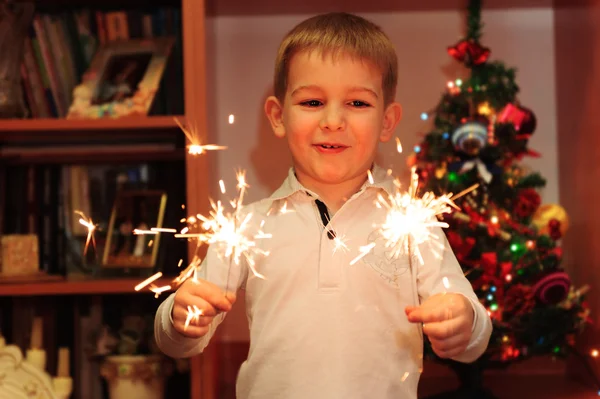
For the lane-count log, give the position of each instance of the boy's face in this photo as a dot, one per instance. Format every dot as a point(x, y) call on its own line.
point(333, 116)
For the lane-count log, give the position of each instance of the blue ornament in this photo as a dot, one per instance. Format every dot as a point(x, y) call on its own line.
point(470, 137)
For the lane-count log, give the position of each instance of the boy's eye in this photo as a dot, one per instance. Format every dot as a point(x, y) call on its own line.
point(311, 103)
point(358, 103)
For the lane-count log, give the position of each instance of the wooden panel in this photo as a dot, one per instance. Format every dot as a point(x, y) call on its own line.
point(577, 35)
point(269, 7)
point(203, 367)
point(75, 287)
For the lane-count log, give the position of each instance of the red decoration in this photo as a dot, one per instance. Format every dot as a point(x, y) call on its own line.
point(461, 247)
point(489, 263)
point(552, 288)
point(518, 300)
point(522, 118)
point(506, 268)
point(554, 229)
point(527, 202)
point(469, 52)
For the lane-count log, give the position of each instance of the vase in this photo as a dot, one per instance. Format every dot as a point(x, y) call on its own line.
point(131, 377)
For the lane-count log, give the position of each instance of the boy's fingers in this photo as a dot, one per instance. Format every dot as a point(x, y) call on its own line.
point(212, 294)
point(442, 330)
point(192, 301)
point(428, 314)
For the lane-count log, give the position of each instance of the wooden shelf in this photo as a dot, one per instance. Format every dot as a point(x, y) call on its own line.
point(90, 156)
point(77, 287)
point(277, 7)
point(51, 130)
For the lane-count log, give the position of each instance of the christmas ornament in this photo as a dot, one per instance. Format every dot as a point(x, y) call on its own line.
point(469, 52)
point(518, 300)
point(546, 213)
point(470, 137)
point(523, 119)
point(554, 229)
point(552, 288)
point(485, 109)
point(527, 202)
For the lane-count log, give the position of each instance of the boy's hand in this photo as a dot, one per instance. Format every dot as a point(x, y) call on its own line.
point(205, 296)
point(447, 320)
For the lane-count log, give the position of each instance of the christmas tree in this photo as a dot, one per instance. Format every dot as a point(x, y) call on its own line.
point(506, 241)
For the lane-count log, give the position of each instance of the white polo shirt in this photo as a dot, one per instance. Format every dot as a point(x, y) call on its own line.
point(321, 328)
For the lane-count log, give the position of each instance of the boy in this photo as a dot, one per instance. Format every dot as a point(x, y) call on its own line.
point(320, 327)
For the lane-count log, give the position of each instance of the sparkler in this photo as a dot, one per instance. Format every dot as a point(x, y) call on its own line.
point(89, 224)
point(196, 147)
point(410, 218)
point(228, 232)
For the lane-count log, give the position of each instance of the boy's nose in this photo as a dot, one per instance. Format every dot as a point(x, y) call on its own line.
point(333, 119)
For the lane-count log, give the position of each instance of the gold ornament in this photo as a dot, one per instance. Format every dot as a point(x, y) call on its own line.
point(411, 160)
point(485, 109)
point(441, 171)
point(548, 212)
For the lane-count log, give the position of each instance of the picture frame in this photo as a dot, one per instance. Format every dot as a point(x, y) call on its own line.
point(122, 79)
point(134, 209)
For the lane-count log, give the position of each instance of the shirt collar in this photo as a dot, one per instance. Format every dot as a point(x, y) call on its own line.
point(291, 185)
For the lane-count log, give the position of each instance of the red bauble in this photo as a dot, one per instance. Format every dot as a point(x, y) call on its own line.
point(523, 119)
point(469, 52)
point(527, 202)
point(554, 229)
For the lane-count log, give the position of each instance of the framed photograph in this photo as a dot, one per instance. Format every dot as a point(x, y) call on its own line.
point(141, 210)
point(122, 79)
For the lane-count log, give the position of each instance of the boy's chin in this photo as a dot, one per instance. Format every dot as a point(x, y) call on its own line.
point(339, 177)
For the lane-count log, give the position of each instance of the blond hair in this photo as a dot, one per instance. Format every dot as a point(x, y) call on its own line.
point(337, 33)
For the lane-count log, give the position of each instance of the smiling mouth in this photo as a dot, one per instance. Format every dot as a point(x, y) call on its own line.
point(330, 146)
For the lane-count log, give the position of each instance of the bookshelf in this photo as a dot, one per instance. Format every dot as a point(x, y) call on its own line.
point(129, 139)
point(75, 287)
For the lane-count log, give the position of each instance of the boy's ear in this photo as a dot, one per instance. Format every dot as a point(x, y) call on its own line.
point(274, 111)
point(391, 117)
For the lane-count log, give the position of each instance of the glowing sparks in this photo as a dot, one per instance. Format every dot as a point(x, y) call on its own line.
point(446, 282)
point(339, 244)
point(195, 147)
point(158, 290)
point(148, 281)
point(163, 230)
point(365, 249)
point(370, 177)
point(410, 218)
point(89, 224)
point(193, 315)
point(284, 209)
point(231, 119)
point(231, 234)
point(398, 146)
